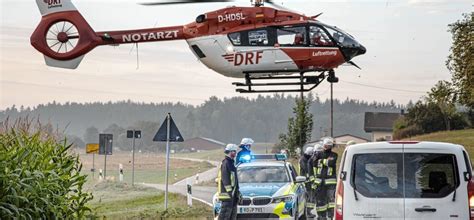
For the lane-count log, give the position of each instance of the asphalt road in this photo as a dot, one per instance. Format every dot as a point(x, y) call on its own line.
point(200, 193)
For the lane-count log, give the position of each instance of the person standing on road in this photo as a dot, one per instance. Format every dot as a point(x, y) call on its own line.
point(305, 168)
point(324, 168)
point(228, 185)
point(245, 146)
point(312, 178)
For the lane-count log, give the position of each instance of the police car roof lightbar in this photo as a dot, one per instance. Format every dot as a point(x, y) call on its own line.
point(279, 157)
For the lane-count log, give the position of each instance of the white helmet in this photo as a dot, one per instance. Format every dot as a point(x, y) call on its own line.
point(318, 147)
point(328, 141)
point(230, 147)
point(246, 141)
point(308, 151)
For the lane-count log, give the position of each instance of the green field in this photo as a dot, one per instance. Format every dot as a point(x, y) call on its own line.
point(218, 155)
point(153, 176)
point(149, 168)
point(462, 137)
point(121, 201)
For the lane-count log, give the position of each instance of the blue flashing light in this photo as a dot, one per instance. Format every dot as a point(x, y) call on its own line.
point(246, 157)
point(280, 157)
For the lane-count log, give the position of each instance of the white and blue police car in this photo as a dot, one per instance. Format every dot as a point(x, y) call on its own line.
point(270, 189)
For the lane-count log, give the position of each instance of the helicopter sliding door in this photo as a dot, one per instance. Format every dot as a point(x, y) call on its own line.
point(292, 42)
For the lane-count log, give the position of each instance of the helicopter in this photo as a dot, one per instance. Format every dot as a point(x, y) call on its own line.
point(254, 42)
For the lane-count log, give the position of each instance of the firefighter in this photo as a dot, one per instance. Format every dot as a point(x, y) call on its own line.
point(245, 146)
point(305, 168)
point(228, 185)
point(324, 168)
point(312, 179)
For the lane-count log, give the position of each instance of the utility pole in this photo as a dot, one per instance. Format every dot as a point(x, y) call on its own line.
point(167, 157)
point(332, 79)
point(302, 124)
point(332, 112)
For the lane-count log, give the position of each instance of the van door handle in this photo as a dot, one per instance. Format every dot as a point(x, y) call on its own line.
point(425, 209)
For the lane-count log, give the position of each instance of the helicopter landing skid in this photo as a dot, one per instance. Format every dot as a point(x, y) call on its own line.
point(305, 82)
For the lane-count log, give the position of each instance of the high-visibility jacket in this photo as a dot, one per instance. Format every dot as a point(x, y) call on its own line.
point(324, 167)
point(228, 183)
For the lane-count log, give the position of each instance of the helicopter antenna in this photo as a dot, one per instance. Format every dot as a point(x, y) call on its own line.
point(257, 3)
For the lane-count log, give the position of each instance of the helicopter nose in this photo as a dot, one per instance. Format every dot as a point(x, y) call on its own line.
point(353, 51)
point(361, 50)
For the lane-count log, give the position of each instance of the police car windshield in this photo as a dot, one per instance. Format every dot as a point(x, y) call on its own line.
point(263, 174)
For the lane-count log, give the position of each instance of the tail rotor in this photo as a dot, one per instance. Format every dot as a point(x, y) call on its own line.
point(62, 37)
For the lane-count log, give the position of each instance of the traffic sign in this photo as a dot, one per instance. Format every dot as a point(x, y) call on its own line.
point(92, 148)
point(105, 144)
point(174, 134)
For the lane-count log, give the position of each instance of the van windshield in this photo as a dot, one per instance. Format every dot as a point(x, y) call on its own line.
point(427, 175)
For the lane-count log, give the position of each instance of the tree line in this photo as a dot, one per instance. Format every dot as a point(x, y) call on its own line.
point(227, 120)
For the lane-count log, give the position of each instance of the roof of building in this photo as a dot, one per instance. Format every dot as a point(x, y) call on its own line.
point(379, 121)
point(351, 136)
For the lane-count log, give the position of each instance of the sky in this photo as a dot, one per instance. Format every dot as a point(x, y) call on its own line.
point(407, 45)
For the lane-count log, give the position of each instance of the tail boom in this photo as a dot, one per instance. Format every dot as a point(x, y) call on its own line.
point(63, 36)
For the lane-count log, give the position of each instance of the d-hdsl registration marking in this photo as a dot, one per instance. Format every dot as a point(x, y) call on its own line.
point(231, 17)
point(247, 58)
point(150, 36)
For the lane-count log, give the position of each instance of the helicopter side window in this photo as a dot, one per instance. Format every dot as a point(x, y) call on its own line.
point(318, 37)
point(258, 38)
point(235, 38)
point(292, 36)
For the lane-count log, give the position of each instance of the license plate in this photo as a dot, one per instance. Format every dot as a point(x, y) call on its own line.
point(251, 210)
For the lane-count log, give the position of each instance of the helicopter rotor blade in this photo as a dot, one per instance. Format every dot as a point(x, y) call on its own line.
point(276, 5)
point(353, 64)
point(172, 2)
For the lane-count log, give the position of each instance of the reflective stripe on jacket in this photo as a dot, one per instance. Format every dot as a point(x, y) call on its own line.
point(227, 181)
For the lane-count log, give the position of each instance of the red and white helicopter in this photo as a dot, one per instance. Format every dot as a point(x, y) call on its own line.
point(253, 42)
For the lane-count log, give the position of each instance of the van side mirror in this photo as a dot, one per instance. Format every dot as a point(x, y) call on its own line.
point(467, 176)
point(300, 179)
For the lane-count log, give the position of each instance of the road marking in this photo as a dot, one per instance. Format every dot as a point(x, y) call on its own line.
point(203, 201)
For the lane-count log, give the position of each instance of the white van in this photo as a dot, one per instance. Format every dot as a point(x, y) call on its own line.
point(405, 180)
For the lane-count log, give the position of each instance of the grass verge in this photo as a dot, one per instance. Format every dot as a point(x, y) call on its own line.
point(122, 201)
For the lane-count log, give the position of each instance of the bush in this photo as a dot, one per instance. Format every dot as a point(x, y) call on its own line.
point(39, 176)
point(407, 132)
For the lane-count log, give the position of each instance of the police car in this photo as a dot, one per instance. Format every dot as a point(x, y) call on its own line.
point(270, 189)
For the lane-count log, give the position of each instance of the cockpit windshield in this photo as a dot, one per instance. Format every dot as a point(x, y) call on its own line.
point(341, 37)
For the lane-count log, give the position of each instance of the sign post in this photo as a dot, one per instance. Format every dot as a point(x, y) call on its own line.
point(105, 148)
point(168, 132)
point(92, 149)
point(133, 134)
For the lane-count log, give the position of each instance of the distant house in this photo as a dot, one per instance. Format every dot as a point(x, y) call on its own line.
point(202, 143)
point(380, 124)
point(342, 140)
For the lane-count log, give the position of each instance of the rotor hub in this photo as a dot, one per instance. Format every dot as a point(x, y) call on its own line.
point(62, 37)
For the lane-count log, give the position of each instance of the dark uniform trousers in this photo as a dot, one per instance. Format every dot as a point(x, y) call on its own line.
point(306, 170)
point(228, 210)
